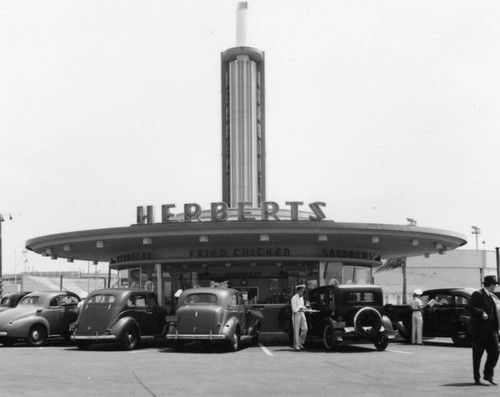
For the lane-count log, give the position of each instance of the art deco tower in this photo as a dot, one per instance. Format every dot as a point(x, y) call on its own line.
point(243, 120)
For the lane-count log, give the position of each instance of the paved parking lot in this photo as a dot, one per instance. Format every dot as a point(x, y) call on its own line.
point(437, 368)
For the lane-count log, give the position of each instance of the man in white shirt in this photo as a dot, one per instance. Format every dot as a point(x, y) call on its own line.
point(299, 318)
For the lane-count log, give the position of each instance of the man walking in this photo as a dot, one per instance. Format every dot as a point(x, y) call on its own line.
point(299, 318)
point(483, 327)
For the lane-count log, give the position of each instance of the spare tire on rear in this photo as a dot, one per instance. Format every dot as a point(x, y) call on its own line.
point(368, 322)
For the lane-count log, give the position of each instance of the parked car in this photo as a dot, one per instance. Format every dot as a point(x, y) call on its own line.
point(448, 317)
point(117, 314)
point(348, 313)
point(11, 300)
point(214, 315)
point(38, 316)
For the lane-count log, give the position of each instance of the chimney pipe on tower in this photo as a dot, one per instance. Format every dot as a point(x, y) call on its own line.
point(241, 24)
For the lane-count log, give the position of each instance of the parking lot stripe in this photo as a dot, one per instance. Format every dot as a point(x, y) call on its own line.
point(265, 350)
point(399, 351)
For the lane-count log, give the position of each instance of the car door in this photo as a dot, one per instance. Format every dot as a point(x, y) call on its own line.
point(53, 313)
point(69, 311)
point(237, 308)
point(154, 317)
point(140, 313)
point(324, 301)
point(442, 315)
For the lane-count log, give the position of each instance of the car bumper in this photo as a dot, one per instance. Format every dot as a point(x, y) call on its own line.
point(94, 337)
point(196, 336)
point(351, 332)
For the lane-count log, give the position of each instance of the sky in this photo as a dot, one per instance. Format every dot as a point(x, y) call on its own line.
point(383, 110)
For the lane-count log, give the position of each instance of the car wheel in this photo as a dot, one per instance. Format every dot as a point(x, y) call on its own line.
point(130, 338)
point(381, 342)
point(37, 335)
point(329, 339)
point(234, 342)
point(83, 344)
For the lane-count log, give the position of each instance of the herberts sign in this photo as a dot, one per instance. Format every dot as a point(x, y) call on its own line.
point(219, 212)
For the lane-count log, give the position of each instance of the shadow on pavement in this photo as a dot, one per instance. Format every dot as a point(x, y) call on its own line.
point(464, 384)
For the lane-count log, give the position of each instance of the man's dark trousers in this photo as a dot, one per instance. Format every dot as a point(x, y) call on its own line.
point(486, 340)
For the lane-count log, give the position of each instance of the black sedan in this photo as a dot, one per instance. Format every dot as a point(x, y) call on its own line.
point(38, 316)
point(122, 315)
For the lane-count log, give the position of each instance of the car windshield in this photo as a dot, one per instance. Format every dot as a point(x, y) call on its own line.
point(30, 300)
point(200, 298)
point(104, 299)
point(5, 301)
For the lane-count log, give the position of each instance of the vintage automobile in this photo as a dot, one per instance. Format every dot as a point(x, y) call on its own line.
point(38, 316)
point(214, 315)
point(118, 314)
point(348, 313)
point(11, 300)
point(448, 317)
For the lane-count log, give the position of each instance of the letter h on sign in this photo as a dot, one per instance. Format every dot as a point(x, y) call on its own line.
point(147, 218)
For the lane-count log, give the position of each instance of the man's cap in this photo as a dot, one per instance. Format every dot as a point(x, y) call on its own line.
point(418, 291)
point(300, 286)
point(489, 280)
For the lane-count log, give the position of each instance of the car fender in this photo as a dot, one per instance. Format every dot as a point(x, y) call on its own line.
point(253, 321)
point(121, 325)
point(20, 328)
point(387, 324)
point(229, 328)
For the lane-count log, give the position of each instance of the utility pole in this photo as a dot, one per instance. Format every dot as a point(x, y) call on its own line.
point(497, 249)
point(1, 274)
point(477, 232)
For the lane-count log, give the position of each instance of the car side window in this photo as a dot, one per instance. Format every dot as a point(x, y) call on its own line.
point(140, 301)
point(151, 301)
point(233, 301)
point(69, 301)
point(331, 299)
point(54, 302)
point(131, 301)
point(461, 300)
point(313, 296)
point(444, 300)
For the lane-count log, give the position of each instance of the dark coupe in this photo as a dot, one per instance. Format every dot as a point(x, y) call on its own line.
point(38, 316)
point(447, 317)
point(11, 300)
point(214, 315)
point(122, 315)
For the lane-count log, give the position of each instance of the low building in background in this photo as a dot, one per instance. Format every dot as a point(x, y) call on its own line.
point(458, 268)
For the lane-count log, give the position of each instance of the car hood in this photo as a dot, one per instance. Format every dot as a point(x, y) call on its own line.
point(17, 313)
point(97, 318)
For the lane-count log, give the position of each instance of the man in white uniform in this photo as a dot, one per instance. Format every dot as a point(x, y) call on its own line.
point(299, 318)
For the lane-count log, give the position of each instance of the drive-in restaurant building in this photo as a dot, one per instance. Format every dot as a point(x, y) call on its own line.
point(260, 247)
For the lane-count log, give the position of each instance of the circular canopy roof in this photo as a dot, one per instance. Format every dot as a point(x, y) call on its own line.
point(246, 241)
